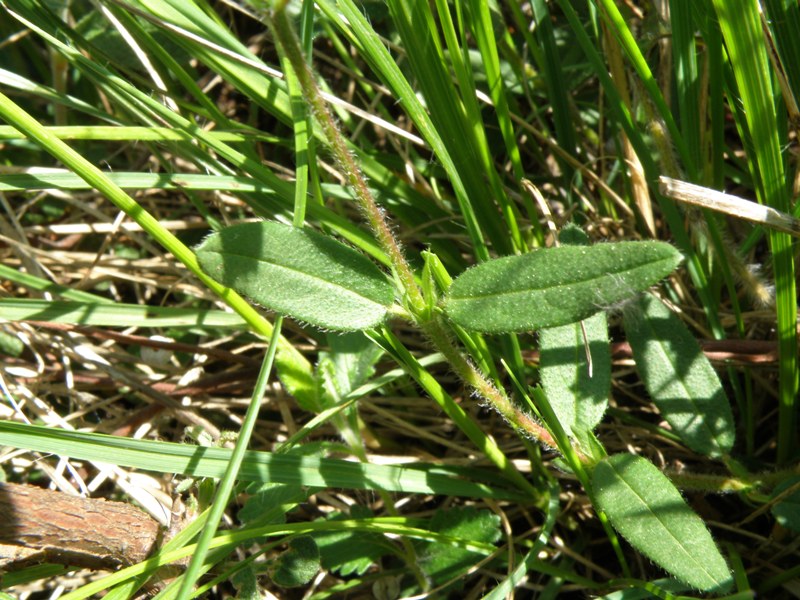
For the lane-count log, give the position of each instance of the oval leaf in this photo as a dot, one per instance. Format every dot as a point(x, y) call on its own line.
point(555, 286)
point(299, 273)
point(578, 396)
point(678, 377)
point(786, 507)
point(649, 511)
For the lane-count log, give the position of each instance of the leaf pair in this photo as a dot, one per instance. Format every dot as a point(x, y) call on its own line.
point(318, 280)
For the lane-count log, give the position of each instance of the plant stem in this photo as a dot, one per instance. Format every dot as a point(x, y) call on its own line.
point(286, 37)
point(469, 373)
point(432, 325)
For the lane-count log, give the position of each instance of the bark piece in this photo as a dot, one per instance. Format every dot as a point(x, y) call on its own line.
point(39, 525)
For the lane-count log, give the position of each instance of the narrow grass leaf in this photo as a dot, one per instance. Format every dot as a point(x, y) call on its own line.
point(420, 37)
point(198, 461)
point(649, 511)
point(373, 50)
point(555, 286)
point(679, 377)
point(577, 394)
point(741, 27)
point(299, 273)
point(101, 314)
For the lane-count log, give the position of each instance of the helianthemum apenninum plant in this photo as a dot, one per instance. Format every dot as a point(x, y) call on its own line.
point(317, 280)
point(422, 257)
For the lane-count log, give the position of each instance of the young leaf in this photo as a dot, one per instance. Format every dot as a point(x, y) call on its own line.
point(246, 584)
point(269, 502)
point(678, 377)
point(349, 363)
point(299, 273)
point(578, 399)
point(649, 511)
point(555, 286)
point(442, 562)
point(298, 565)
point(352, 552)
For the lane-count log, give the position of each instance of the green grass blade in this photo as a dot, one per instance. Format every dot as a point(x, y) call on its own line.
point(225, 487)
point(741, 30)
point(374, 51)
point(783, 19)
point(687, 79)
point(417, 29)
point(196, 461)
point(483, 29)
point(42, 285)
point(107, 314)
point(626, 39)
point(554, 77)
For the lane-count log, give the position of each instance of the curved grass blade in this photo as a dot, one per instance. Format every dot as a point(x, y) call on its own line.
point(679, 378)
point(299, 273)
point(649, 511)
point(555, 286)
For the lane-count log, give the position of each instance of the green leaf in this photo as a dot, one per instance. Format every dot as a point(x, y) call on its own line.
point(349, 364)
point(246, 583)
point(298, 565)
point(578, 398)
point(103, 314)
point(678, 377)
point(351, 552)
point(299, 379)
point(649, 511)
point(300, 273)
point(555, 286)
point(269, 502)
point(442, 562)
point(787, 510)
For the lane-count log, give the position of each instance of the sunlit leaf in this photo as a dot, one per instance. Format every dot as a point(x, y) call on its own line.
point(299, 273)
point(649, 511)
point(555, 286)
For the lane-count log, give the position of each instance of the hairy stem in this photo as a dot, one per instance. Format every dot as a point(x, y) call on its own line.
point(286, 37)
point(432, 325)
point(469, 373)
